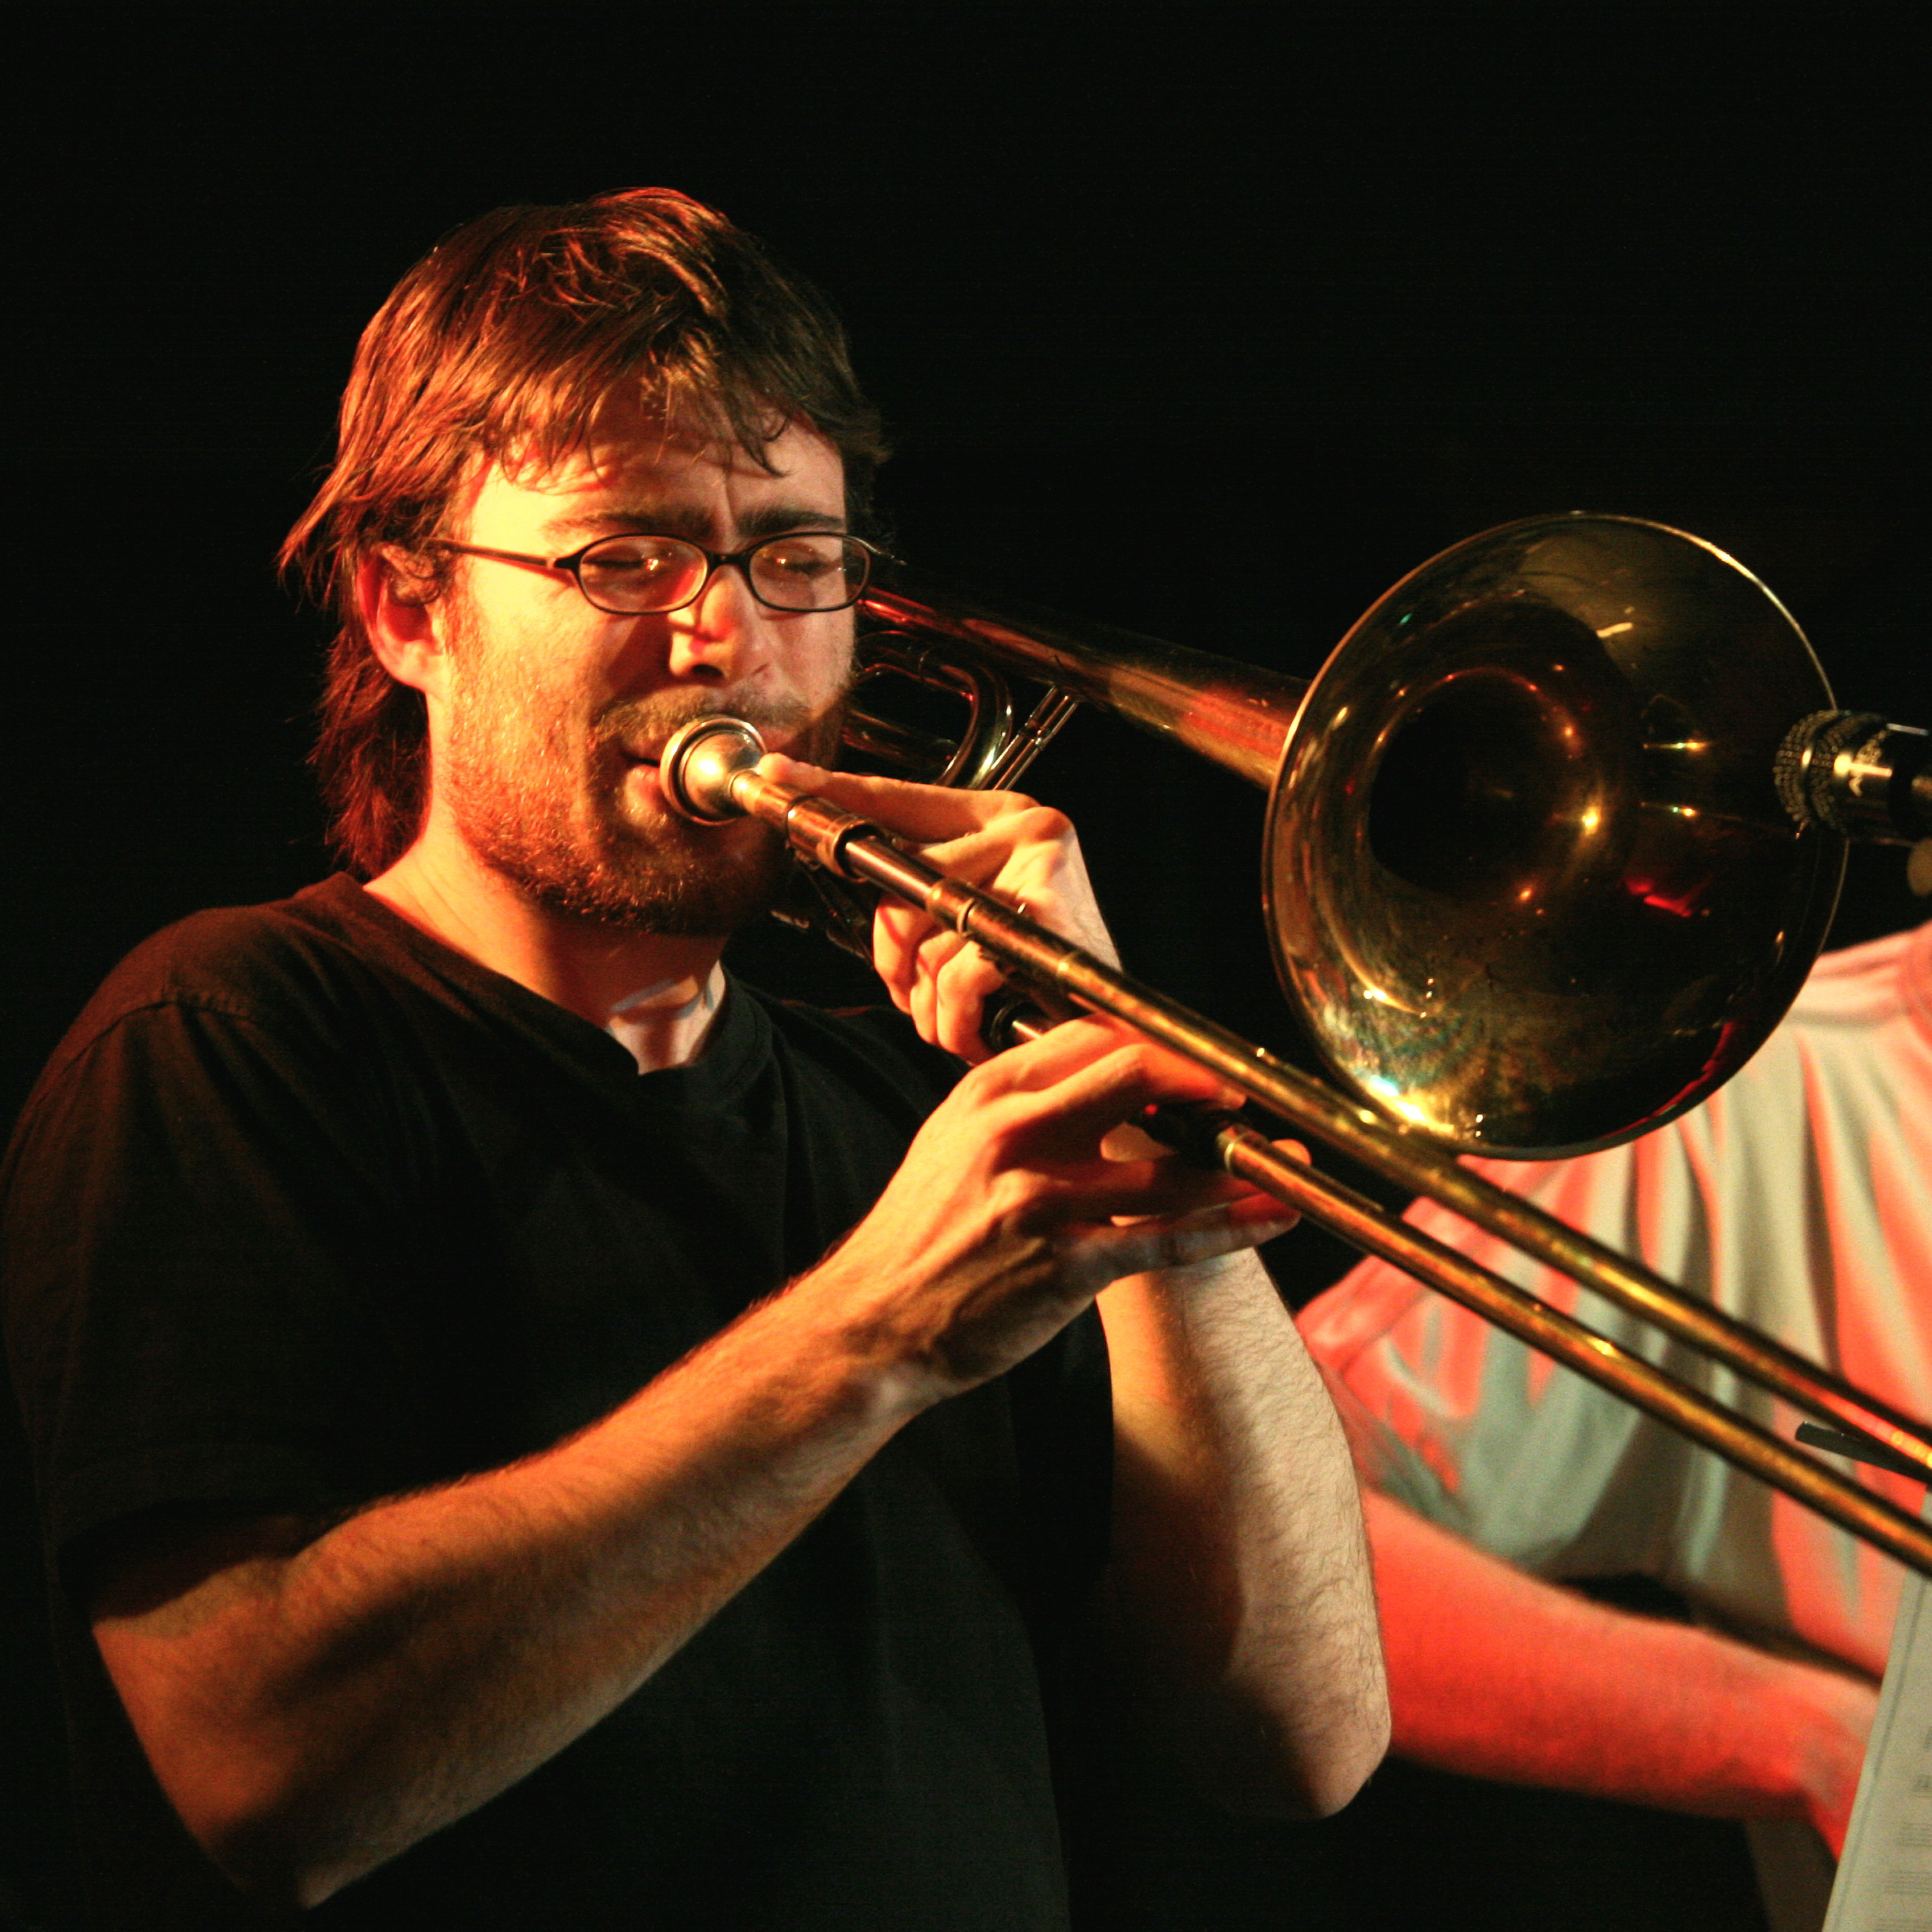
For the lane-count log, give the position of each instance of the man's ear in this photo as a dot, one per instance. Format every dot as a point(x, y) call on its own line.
point(403, 618)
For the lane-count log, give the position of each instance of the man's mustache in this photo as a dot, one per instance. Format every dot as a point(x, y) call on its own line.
point(631, 721)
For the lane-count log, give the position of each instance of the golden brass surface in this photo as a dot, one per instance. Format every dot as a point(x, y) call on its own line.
point(1528, 879)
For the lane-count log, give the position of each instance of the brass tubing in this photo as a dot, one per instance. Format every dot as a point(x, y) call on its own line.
point(1236, 715)
point(1756, 1357)
point(1628, 1285)
point(854, 847)
point(1365, 1225)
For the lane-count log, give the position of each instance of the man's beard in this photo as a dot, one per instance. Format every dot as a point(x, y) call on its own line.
point(549, 815)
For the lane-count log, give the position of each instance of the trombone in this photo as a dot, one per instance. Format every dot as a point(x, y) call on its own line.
point(1552, 841)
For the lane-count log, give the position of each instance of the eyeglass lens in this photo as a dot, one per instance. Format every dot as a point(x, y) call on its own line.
point(810, 570)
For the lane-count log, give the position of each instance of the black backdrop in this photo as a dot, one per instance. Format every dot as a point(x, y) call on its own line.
point(1311, 290)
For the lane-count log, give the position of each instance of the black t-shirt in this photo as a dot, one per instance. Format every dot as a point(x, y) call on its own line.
point(307, 1210)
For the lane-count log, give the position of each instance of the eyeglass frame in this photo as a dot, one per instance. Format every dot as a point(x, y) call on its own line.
point(715, 560)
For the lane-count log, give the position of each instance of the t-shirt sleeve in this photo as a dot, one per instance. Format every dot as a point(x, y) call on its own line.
point(200, 1229)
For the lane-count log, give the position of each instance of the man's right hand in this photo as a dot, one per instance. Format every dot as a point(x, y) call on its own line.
point(1007, 1217)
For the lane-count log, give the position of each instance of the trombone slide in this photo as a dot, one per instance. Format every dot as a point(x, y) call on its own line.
point(709, 773)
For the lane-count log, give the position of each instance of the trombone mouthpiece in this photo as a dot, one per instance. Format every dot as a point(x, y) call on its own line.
point(701, 763)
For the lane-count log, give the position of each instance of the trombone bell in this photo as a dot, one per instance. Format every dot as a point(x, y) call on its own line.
point(1528, 877)
point(1527, 874)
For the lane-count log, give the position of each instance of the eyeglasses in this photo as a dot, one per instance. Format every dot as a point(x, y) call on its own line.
point(808, 570)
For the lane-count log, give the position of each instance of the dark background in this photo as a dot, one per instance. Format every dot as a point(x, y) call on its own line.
point(1311, 291)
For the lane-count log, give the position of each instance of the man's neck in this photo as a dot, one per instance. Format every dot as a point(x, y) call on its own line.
point(656, 993)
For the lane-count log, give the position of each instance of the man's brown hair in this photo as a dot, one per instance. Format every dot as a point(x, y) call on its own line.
point(500, 346)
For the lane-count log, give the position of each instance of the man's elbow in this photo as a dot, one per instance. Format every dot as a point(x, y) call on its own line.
point(270, 1874)
point(1298, 1764)
point(1331, 1777)
point(264, 1829)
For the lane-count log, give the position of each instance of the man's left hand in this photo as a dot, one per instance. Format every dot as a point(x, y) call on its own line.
point(1026, 854)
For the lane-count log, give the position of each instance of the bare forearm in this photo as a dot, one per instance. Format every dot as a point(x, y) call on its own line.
point(1498, 1675)
point(1241, 1592)
point(311, 1715)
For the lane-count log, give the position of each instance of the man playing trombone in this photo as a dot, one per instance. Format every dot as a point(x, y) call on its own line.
point(534, 1433)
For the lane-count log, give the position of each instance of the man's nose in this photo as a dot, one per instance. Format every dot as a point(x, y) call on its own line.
point(722, 638)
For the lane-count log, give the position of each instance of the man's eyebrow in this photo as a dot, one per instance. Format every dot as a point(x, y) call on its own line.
point(688, 521)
